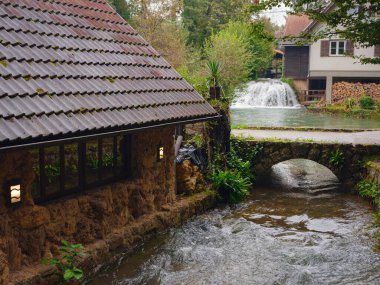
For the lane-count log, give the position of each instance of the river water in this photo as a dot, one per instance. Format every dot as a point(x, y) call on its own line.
point(276, 237)
point(296, 117)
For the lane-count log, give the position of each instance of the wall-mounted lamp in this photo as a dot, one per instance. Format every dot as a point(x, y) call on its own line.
point(160, 152)
point(13, 192)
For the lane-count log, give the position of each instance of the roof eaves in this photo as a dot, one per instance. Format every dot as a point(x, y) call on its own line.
point(313, 23)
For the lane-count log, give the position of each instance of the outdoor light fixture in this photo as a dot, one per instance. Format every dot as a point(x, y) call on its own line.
point(160, 152)
point(13, 191)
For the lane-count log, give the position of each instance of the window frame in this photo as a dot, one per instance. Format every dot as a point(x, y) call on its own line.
point(83, 185)
point(337, 47)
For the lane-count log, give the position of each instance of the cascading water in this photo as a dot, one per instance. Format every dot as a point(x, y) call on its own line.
point(266, 93)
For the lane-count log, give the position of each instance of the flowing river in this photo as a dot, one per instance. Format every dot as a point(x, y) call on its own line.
point(278, 236)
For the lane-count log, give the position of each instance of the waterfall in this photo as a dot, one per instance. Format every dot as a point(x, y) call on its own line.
point(266, 93)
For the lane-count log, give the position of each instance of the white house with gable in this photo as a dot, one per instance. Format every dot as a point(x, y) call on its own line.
point(327, 61)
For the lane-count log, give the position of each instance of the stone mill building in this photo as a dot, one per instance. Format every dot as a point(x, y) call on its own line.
point(88, 119)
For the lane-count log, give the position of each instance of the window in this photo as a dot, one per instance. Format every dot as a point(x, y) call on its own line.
point(337, 48)
point(74, 167)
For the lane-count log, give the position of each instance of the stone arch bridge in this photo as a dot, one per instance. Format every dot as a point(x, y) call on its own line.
point(348, 164)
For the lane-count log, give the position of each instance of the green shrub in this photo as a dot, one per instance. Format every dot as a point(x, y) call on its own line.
point(337, 159)
point(197, 140)
point(366, 102)
point(349, 103)
point(369, 189)
point(65, 264)
point(290, 82)
point(231, 186)
point(378, 105)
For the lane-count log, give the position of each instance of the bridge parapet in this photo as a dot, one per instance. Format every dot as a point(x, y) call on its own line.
point(344, 160)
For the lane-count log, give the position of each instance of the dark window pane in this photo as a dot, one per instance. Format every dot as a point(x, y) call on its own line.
point(52, 170)
point(121, 158)
point(36, 190)
point(71, 167)
point(92, 161)
point(108, 161)
point(341, 48)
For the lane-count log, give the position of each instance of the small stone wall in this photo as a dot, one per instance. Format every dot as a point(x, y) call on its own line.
point(32, 232)
point(272, 153)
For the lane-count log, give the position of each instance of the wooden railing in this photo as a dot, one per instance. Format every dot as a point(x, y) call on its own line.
point(312, 96)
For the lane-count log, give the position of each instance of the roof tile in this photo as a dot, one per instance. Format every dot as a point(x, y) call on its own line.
point(75, 68)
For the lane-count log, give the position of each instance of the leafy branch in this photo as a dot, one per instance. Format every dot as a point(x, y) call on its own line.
point(65, 264)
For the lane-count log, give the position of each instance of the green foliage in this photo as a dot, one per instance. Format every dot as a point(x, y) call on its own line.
point(107, 160)
point(123, 8)
point(369, 189)
point(195, 78)
point(357, 21)
point(230, 49)
point(52, 170)
point(378, 105)
point(65, 264)
point(261, 44)
point(214, 73)
point(201, 18)
point(290, 82)
point(349, 103)
point(366, 102)
point(231, 186)
point(232, 175)
point(197, 140)
point(337, 159)
point(242, 157)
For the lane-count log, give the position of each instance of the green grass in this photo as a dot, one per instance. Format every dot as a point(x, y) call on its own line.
point(278, 140)
point(354, 112)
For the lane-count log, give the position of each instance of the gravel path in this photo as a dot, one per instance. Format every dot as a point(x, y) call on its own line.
point(366, 137)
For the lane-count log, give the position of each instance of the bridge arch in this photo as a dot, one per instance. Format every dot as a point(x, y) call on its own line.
point(347, 165)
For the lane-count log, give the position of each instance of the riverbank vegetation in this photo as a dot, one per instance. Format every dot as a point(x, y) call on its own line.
point(354, 111)
point(66, 263)
point(369, 189)
point(232, 174)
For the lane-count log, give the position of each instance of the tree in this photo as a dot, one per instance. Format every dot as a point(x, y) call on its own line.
point(355, 20)
point(156, 21)
point(259, 40)
point(202, 18)
point(230, 49)
point(123, 8)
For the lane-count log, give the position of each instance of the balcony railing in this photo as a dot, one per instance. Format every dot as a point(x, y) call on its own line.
point(311, 96)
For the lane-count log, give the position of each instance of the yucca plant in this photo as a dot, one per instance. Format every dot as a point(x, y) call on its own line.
point(214, 70)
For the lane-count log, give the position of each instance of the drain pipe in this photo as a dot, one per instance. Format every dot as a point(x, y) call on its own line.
point(179, 139)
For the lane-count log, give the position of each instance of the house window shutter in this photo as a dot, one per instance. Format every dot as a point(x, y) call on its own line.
point(325, 46)
point(349, 48)
point(377, 50)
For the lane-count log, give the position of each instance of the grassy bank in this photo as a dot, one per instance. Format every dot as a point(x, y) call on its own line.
point(354, 112)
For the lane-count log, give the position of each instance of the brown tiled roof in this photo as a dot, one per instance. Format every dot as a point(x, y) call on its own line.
point(296, 24)
point(70, 68)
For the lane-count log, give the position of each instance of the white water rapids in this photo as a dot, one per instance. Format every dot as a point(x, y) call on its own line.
point(266, 93)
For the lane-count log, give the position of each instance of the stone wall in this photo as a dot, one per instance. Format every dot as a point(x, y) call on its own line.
point(275, 152)
point(32, 231)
